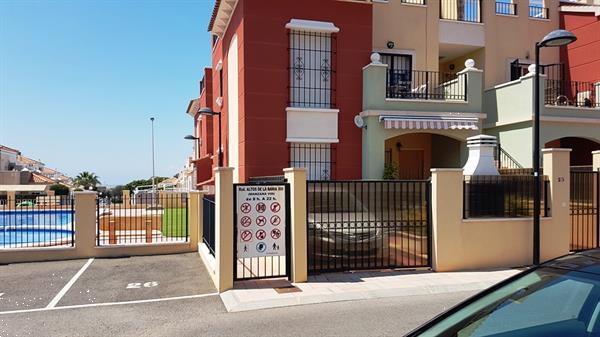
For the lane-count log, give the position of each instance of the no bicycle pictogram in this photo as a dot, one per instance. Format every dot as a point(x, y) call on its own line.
point(246, 236)
point(261, 221)
point(245, 207)
point(261, 234)
point(246, 221)
point(275, 220)
point(275, 207)
point(275, 233)
point(261, 207)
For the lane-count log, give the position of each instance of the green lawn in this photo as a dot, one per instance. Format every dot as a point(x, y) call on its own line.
point(174, 222)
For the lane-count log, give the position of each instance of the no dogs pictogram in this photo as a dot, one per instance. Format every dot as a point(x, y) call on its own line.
point(246, 236)
point(275, 233)
point(261, 234)
point(246, 221)
point(275, 220)
point(261, 221)
point(245, 207)
point(261, 207)
point(275, 207)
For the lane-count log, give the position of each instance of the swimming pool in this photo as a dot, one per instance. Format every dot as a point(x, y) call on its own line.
point(34, 228)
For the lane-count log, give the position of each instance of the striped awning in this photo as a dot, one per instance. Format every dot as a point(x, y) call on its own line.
point(429, 123)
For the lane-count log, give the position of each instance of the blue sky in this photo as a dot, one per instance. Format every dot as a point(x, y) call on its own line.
point(79, 81)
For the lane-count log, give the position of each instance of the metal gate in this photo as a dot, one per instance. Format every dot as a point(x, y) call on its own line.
point(262, 218)
point(368, 225)
point(585, 215)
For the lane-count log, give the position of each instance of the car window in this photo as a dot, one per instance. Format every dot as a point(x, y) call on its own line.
point(546, 302)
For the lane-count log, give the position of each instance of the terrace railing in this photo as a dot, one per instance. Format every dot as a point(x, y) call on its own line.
point(539, 12)
point(37, 221)
point(426, 85)
point(149, 218)
point(504, 196)
point(571, 93)
point(461, 10)
point(506, 8)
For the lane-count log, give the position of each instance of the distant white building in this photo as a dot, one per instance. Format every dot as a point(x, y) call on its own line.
point(8, 158)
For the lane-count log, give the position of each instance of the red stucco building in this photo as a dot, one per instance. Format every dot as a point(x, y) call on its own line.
point(286, 78)
point(582, 58)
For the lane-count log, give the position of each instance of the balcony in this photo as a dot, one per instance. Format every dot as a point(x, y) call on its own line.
point(425, 91)
point(461, 10)
point(538, 12)
point(568, 106)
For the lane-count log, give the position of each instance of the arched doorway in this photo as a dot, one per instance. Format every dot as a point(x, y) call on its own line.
point(411, 156)
point(581, 149)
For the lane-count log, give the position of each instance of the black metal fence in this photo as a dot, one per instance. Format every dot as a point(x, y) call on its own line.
point(539, 12)
point(461, 10)
point(571, 93)
point(503, 196)
point(37, 221)
point(208, 222)
point(312, 68)
point(419, 84)
point(506, 8)
point(318, 159)
point(585, 213)
point(150, 218)
point(368, 224)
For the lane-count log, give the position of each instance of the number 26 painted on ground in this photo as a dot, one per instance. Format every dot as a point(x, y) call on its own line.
point(138, 285)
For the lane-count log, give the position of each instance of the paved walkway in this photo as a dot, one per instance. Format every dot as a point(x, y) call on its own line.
point(263, 294)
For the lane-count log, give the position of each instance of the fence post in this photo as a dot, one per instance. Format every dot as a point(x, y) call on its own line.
point(555, 235)
point(195, 217)
point(11, 201)
point(296, 177)
point(596, 188)
point(446, 217)
point(224, 254)
point(85, 223)
point(597, 89)
point(596, 159)
point(126, 196)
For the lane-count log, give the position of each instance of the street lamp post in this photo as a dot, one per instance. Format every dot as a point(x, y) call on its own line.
point(153, 174)
point(210, 112)
point(197, 139)
point(555, 38)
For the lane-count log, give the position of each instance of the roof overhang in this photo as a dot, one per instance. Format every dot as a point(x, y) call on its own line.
point(221, 16)
point(23, 188)
point(581, 9)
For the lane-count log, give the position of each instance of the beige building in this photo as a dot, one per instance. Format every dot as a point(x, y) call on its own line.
point(440, 35)
point(444, 70)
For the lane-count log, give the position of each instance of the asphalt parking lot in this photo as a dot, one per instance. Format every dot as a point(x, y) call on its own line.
point(47, 285)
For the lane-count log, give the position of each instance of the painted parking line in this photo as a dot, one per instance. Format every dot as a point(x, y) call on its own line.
point(68, 286)
point(78, 306)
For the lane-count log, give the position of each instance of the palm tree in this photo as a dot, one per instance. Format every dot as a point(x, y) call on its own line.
point(86, 180)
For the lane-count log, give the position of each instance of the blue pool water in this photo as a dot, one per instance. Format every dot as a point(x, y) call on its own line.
point(22, 228)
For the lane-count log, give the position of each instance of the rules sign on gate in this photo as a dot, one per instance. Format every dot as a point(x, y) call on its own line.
point(260, 220)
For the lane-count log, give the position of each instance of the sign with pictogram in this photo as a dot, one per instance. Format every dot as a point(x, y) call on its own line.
point(246, 221)
point(275, 233)
point(260, 219)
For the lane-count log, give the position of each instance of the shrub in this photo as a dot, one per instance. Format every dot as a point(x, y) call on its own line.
point(390, 171)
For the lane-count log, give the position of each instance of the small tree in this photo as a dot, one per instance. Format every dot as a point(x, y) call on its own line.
point(59, 189)
point(390, 171)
